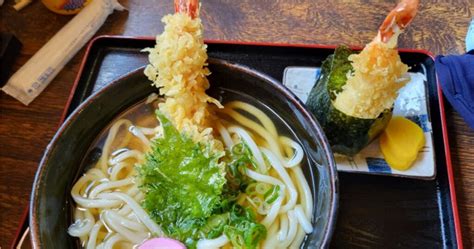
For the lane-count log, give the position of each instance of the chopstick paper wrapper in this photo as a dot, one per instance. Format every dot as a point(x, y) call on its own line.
point(31, 79)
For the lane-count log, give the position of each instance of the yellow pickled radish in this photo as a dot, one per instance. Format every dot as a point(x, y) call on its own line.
point(400, 143)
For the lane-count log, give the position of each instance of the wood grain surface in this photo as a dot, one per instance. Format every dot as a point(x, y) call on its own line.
point(440, 27)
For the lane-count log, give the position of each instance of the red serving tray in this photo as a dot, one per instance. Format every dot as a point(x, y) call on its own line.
point(282, 46)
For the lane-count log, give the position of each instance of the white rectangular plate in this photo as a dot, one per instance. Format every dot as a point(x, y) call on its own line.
point(411, 103)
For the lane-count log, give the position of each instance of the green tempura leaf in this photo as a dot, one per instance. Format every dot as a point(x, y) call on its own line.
point(191, 196)
point(182, 181)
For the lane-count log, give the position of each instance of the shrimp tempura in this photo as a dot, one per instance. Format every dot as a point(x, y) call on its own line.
point(378, 70)
point(178, 67)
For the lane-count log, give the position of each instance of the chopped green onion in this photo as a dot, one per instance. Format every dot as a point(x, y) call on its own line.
point(272, 194)
point(261, 188)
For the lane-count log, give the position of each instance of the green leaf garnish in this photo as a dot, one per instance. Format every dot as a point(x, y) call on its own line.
point(191, 191)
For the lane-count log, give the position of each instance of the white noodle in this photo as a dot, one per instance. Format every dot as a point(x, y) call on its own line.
point(109, 185)
point(139, 134)
point(90, 203)
point(114, 224)
point(225, 136)
point(93, 235)
point(283, 232)
point(299, 237)
point(212, 243)
point(297, 154)
point(259, 114)
point(303, 220)
point(116, 169)
point(125, 210)
point(108, 142)
point(128, 223)
point(292, 228)
point(271, 242)
point(307, 199)
point(264, 178)
point(82, 227)
point(126, 155)
point(141, 214)
point(273, 213)
point(271, 140)
point(276, 164)
point(133, 191)
point(148, 131)
point(252, 146)
point(96, 173)
point(110, 242)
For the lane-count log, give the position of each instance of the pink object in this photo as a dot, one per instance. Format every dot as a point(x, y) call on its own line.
point(162, 243)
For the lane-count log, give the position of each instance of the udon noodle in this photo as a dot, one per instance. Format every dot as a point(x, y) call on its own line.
point(109, 214)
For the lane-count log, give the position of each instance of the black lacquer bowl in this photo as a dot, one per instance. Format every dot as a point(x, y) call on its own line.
point(50, 207)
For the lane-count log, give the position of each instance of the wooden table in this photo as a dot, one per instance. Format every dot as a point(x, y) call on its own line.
point(25, 131)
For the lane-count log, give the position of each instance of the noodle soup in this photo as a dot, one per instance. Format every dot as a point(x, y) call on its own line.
point(186, 170)
point(109, 208)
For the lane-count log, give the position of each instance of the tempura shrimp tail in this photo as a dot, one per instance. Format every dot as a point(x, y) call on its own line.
point(396, 21)
point(190, 7)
